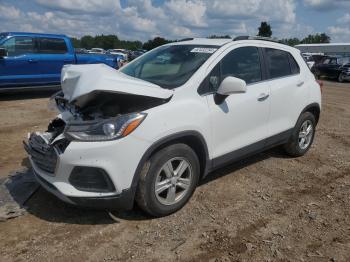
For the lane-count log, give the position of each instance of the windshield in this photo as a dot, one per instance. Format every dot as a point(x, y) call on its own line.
point(169, 66)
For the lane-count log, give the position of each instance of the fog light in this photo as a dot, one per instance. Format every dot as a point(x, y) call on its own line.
point(91, 179)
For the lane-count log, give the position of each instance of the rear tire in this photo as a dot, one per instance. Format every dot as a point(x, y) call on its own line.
point(168, 180)
point(303, 135)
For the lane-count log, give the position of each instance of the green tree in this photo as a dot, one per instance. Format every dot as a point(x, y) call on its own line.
point(265, 30)
point(291, 41)
point(155, 42)
point(75, 42)
point(316, 39)
point(87, 42)
point(105, 42)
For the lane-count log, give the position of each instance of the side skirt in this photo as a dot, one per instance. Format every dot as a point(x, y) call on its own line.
point(250, 150)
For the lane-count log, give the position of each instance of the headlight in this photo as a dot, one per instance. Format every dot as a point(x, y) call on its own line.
point(105, 130)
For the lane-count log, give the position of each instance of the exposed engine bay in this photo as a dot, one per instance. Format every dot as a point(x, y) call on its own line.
point(103, 105)
point(89, 111)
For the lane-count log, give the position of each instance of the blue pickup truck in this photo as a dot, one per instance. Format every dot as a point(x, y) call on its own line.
point(36, 60)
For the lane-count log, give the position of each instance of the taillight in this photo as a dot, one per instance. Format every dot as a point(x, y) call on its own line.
point(320, 83)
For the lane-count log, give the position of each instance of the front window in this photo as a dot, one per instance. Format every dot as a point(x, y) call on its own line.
point(169, 66)
point(18, 45)
point(243, 63)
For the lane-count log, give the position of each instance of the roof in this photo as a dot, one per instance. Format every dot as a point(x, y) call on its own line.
point(31, 34)
point(224, 41)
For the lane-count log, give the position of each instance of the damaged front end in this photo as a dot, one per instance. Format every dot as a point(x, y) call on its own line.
point(104, 116)
point(111, 110)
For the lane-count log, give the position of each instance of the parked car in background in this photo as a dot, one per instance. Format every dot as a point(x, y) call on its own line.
point(333, 67)
point(81, 51)
point(32, 60)
point(97, 51)
point(313, 58)
point(345, 73)
point(136, 54)
point(121, 52)
point(151, 130)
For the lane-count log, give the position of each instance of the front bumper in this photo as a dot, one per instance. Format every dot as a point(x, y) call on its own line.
point(124, 200)
point(346, 75)
point(118, 158)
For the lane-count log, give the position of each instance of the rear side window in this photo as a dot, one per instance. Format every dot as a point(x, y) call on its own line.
point(243, 63)
point(277, 62)
point(51, 46)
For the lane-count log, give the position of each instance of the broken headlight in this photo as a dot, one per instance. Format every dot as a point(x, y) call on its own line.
point(104, 130)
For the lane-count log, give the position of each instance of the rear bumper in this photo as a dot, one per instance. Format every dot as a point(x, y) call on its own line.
point(122, 201)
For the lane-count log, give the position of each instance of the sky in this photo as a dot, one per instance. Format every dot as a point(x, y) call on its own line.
point(177, 19)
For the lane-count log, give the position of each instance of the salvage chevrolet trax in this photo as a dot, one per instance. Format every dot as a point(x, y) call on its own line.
point(150, 131)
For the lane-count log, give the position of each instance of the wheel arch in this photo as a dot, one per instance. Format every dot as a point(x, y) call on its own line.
point(313, 108)
point(193, 139)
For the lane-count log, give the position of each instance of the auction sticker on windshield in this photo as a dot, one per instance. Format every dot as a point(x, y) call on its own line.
point(203, 50)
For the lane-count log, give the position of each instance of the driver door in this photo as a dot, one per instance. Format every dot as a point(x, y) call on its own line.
point(19, 67)
point(240, 122)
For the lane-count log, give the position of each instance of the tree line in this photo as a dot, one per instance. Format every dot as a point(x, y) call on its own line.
point(106, 42)
point(112, 41)
point(265, 31)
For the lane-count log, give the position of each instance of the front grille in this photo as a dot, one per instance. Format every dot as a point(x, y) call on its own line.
point(43, 155)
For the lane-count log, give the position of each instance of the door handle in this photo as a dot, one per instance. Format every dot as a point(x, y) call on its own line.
point(32, 60)
point(68, 61)
point(263, 97)
point(300, 83)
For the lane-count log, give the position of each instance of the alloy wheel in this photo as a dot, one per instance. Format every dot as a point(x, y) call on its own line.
point(305, 134)
point(173, 181)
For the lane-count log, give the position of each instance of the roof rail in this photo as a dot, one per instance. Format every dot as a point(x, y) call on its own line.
point(247, 37)
point(185, 39)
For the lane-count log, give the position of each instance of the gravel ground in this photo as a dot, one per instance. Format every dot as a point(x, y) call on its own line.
point(266, 208)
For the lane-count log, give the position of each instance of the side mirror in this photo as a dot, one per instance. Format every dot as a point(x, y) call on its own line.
point(231, 85)
point(3, 52)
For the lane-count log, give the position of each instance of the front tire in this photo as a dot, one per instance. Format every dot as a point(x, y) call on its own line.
point(168, 180)
point(341, 78)
point(303, 135)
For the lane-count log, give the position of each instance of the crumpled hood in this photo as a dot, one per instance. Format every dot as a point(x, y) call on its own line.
point(77, 81)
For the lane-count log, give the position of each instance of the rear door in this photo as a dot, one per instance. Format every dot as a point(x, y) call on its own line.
point(288, 91)
point(54, 54)
point(20, 66)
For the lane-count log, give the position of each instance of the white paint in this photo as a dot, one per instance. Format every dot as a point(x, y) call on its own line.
point(239, 121)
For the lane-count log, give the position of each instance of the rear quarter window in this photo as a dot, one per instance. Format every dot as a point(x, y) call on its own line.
point(295, 69)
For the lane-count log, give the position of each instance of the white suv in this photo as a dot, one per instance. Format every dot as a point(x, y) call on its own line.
point(150, 131)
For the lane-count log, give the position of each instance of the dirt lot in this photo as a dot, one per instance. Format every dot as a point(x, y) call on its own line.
point(267, 208)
